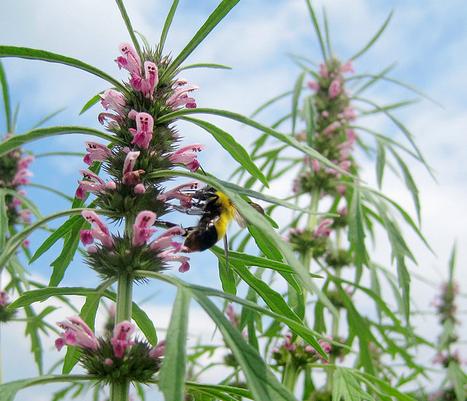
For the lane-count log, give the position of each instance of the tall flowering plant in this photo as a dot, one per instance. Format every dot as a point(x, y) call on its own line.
point(140, 156)
point(335, 215)
point(17, 213)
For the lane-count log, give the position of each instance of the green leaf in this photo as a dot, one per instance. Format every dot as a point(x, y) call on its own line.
point(24, 201)
point(35, 54)
point(16, 240)
point(309, 113)
point(374, 38)
point(3, 220)
point(205, 65)
point(139, 316)
point(403, 129)
point(273, 299)
point(295, 98)
point(346, 387)
point(452, 263)
point(262, 383)
point(297, 327)
point(409, 182)
point(173, 370)
point(60, 232)
point(9, 390)
point(48, 117)
point(61, 263)
point(217, 15)
point(226, 276)
point(51, 190)
point(229, 143)
point(6, 99)
point(19, 140)
point(245, 120)
point(458, 380)
point(269, 103)
point(91, 102)
point(380, 163)
point(317, 29)
point(356, 229)
point(167, 24)
point(130, 29)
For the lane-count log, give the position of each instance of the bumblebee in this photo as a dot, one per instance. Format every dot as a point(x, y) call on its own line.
point(217, 211)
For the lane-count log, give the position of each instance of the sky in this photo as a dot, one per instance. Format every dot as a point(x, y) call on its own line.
point(428, 44)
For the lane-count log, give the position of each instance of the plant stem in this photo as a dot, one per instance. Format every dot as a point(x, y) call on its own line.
point(290, 375)
point(120, 391)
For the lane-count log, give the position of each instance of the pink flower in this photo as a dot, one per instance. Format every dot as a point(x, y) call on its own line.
point(139, 189)
point(158, 351)
point(109, 120)
point(180, 95)
point(96, 152)
point(22, 177)
point(324, 228)
point(347, 68)
point(86, 237)
point(178, 193)
point(325, 114)
point(142, 229)
point(325, 346)
point(25, 161)
point(142, 135)
point(130, 176)
point(335, 89)
point(78, 333)
point(349, 113)
point(113, 100)
point(171, 256)
point(26, 243)
point(99, 229)
point(315, 165)
point(331, 128)
point(25, 215)
point(121, 338)
point(187, 156)
point(165, 240)
point(129, 60)
point(147, 84)
point(4, 298)
point(323, 71)
point(313, 85)
point(230, 312)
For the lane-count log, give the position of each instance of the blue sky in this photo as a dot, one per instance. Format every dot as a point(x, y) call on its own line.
point(428, 42)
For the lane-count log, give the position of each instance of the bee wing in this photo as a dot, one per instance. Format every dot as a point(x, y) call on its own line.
point(239, 219)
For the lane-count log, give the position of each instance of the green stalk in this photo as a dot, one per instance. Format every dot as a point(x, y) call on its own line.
point(291, 372)
point(290, 375)
point(120, 391)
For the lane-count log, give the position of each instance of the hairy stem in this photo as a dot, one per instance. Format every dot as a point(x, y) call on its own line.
point(120, 391)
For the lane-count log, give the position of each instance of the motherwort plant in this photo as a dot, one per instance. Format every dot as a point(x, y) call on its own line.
point(335, 215)
point(125, 182)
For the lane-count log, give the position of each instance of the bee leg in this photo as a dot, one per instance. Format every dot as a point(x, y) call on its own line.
point(165, 224)
point(192, 212)
point(226, 251)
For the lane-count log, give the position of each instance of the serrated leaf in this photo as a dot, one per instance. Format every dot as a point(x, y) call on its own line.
point(295, 98)
point(346, 387)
